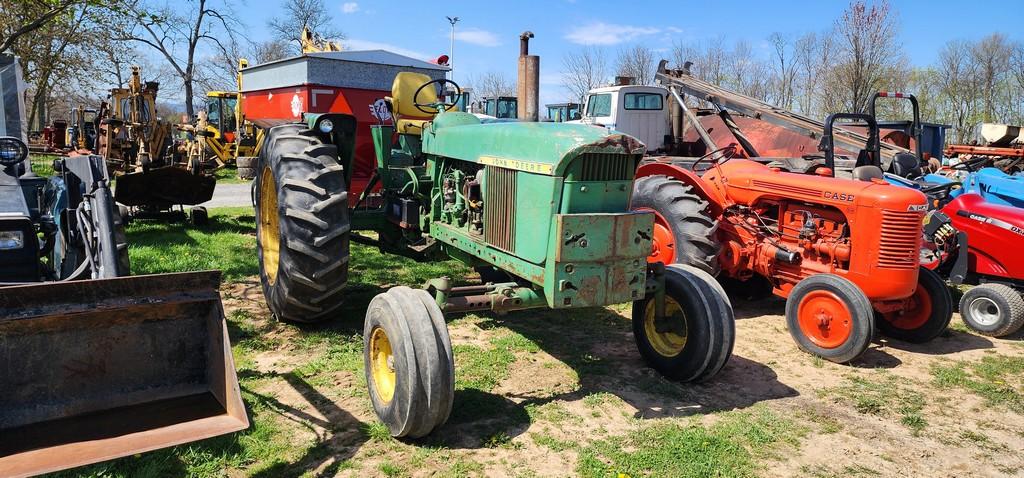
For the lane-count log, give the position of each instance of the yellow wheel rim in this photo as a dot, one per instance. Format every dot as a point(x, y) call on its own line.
point(270, 231)
point(669, 343)
point(382, 365)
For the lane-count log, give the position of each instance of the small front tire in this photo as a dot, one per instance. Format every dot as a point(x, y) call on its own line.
point(994, 310)
point(408, 361)
point(829, 316)
point(695, 339)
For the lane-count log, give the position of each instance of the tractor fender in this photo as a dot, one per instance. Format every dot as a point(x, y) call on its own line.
point(701, 187)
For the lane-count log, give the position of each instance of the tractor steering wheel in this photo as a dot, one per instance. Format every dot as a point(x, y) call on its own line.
point(941, 191)
point(12, 151)
point(435, 106)
point(970, 164)
point(726, 152)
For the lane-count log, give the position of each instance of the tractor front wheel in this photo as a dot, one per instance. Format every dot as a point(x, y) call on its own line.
point(408, 361)
point(694, 339)
point(926, 316)
point(302, 230)
point(995, 310)
point(830, 317)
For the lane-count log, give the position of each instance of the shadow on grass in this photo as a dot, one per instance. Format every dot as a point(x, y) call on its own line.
point(950, 342)
point(341, 438)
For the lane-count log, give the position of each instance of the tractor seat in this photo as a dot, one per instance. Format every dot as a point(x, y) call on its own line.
point(867, 173)
point(408, 118)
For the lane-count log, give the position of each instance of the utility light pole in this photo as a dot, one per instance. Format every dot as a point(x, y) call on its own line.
point(451, 49)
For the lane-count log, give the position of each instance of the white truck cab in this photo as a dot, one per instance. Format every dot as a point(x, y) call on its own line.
point(639, 111)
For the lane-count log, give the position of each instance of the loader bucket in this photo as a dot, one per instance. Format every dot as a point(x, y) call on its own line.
point(100, 369)
point(164, 187)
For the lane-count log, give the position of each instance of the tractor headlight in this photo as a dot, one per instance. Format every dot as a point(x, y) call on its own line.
point(10, 240)
point(326, 126)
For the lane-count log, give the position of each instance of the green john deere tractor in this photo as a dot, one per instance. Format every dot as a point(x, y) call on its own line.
point(541, 209)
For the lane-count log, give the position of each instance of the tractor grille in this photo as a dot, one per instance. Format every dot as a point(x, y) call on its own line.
point(499, 208)
point(606, 166)
point(900, 242)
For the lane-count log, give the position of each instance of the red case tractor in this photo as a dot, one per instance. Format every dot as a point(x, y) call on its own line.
point(845, 253)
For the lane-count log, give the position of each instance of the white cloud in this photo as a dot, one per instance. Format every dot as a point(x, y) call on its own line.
point(350, 7)
point(477, 36)
point(674, 30)
point(355, 44)
point(600, 33)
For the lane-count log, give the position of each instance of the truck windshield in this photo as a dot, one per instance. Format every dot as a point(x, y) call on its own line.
point(642, 101)
point(599, 105)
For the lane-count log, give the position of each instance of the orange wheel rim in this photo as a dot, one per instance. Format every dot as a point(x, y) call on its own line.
point(915, 314)
point(663, 244)
point(825, 319)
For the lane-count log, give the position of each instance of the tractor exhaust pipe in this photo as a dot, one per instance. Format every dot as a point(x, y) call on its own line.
point(528, 87)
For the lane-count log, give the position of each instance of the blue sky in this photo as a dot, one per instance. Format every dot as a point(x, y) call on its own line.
point(488, 32)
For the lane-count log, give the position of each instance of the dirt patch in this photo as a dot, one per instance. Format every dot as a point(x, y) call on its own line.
point(569, 386)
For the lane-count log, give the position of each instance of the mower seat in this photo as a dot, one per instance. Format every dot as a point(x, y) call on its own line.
point(408, 118)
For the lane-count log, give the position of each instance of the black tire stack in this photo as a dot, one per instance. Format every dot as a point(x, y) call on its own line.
point(246, 167)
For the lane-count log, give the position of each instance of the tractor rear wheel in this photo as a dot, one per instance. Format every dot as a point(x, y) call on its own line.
point(995, 310)
point(830, 317)
point(408, 361)
point(694, 340)
point(926, 317)
point(302, 230)
point(684, 230)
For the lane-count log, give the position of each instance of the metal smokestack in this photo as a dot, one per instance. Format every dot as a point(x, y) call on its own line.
point(528, 86)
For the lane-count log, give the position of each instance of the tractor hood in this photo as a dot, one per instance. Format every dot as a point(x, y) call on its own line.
point(543, 148)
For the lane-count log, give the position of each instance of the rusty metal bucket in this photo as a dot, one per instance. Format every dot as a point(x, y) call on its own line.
point(100, 369)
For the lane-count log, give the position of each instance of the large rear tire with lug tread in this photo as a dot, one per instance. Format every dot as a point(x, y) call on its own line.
point(302, 225)
point(995, 310)
point(408, 361)
point(695, 339)
point(684, 230)
point(926, 318)
point(830, 317)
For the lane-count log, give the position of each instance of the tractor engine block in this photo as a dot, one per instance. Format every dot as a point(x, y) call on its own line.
point(784, 241)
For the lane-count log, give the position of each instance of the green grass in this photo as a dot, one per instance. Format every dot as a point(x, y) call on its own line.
point(227, 243)
point(996, 378)
point(42, 164)
point(730, 447)
point(229, 175)
point(885, 397)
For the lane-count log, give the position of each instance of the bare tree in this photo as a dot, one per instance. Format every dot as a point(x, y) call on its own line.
point(299, 14)
point(176, 33)
point(636, 62)
point(813, 58)
point(492, 84)
point(991, 57)
point(267, 51)
point(584, 70)
point(783, 71)
point(957, 87)
point(868, 55)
